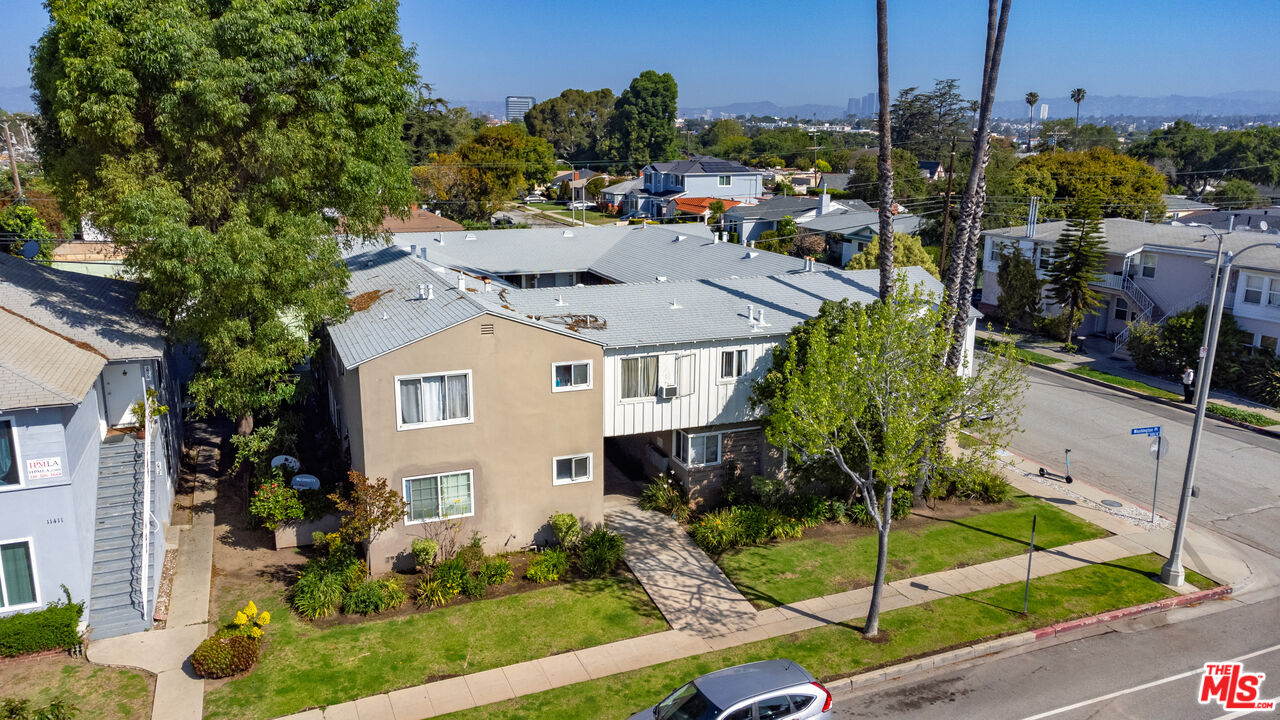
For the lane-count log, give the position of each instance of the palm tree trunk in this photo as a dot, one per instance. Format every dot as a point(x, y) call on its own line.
point(963, 261)
point(1077, 115)
point(885, 259)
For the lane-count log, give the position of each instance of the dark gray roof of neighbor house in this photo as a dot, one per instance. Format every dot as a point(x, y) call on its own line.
point(624, 187)
point(702, 165)
point(1249, 219)
point(856, 222)
point(834, 181)
point(1181, 203)
point(97, 311)
point(622, 253)
point(697, 310)
point(775, 208)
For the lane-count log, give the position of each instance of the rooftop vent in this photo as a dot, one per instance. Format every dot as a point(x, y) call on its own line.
point(462, 282)
point(680, 237)
point(567, 233)
point(423, 252)
point(750, 254)
point(662, 278)
point(471, 236)
point(560, 300)
point(440, 238)
point(675, 305)
point(413, 249)
point(422, 291)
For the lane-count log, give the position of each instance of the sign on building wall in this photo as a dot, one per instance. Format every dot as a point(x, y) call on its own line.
point(44, 468)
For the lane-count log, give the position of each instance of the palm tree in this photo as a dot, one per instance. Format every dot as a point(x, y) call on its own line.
point(1032, 98)
point(885, 259)
point(963, 262)
point(1077, 97)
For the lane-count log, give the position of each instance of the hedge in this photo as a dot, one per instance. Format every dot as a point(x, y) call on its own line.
point(47, 629)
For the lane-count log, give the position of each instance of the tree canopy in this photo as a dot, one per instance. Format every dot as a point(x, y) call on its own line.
point(908, 183)
point(642, 127)
point(574, 122)
point(926, 122)
point(1127, 187)
point(431, 127)
point(491, 168)
point(907, 251)
point(1195, 156)
point(1079, 257)
point(212, 142)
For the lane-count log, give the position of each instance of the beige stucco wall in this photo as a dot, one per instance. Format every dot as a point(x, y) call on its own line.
point(518, 426)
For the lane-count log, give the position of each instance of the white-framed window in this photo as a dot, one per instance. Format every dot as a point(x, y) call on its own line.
point(568, 376)
point(1273, 292)
point(995, 252)
point(1268, 343)
point(1147, 263)
point(724, 181)
point(733, 364)
point(570, 469)
point(18, 586)
point(439, 497)
point(1046, 259)
point(1122, 309)
point(639, 377)
point(697, 450)
point(434, 399)
point(1253, 285)
point(10, 460)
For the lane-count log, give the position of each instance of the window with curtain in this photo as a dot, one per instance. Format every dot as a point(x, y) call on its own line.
point(1253, 289)
point(17, 580)
point(1148, 261)
point(436, 497)
point(1273, 292)
point(9, 476)
point(639, 377)
point(435, 399)
point(1122, 309)
point(733, 364)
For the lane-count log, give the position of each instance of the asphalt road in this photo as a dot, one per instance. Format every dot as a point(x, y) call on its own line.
point(1238, 472)
point(1139, 671)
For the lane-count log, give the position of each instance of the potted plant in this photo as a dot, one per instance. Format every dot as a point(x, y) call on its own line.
point(139, 410)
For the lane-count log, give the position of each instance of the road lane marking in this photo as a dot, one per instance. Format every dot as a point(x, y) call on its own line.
point(1144, 686)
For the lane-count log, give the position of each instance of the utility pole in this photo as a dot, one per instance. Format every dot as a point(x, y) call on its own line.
point(13, 163)
point(946, 213)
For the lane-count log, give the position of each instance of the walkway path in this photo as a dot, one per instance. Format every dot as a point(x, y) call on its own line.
point(690, 590)
point(670, 583)
point(179, 692)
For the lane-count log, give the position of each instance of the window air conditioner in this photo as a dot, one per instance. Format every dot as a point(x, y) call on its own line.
point(667, 391)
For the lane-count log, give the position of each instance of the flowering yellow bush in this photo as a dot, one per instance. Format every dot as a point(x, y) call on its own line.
point(264, 617)
point(240, 619)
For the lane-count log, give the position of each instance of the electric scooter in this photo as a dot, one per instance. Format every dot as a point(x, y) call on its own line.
point(1065, 478)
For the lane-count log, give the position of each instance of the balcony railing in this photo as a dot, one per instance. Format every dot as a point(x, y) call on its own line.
point(1111, 282)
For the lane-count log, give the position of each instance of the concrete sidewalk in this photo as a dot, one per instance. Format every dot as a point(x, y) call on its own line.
point(179, 693)
point(1099, 355)
point(1205, 553)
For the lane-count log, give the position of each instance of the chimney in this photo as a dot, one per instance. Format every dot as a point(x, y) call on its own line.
point(824, 202)
point(462, 282)
point(575, 175)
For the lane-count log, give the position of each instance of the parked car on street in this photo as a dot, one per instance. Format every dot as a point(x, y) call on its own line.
point(635, 215)
point(766, 690)
point(581, 205)
point(535, 197)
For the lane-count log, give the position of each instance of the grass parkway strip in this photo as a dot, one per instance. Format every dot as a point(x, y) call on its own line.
point(836, 651)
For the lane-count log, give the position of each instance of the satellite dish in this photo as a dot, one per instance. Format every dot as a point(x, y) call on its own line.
point(30, 249)
point(1263, 225)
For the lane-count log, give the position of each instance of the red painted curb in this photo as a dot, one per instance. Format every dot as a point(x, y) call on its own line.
point(1107, 617)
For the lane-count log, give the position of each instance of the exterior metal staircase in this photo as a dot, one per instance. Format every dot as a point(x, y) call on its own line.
point(116, 604)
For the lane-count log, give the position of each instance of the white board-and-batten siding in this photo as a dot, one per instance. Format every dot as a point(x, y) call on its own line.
point(712, 401)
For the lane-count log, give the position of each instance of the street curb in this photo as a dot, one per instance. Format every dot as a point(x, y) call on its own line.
point(1152, 398)
point(991, 647)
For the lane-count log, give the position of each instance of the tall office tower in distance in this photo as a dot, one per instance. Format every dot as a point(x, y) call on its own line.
point(518, 105)
point(870, 104)
point(854, 108)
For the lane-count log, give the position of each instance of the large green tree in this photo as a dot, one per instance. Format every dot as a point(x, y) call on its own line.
point(908, 183)
point(1079, 258)
point(1128, 187)
point(642, 128)
point(925, 122)
point(907, 251)
point(431, 127)
point(1234, 194)
point(214, 141)
point(574, 122)
point(20, 223)
point(1021, 289)
point(491, 168)
point(862, 386)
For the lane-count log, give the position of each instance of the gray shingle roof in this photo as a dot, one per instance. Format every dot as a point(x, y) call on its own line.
point(626, 253)
point(38, 368)
point(95, 310)
point(774, 208)
point(1181, 203)
point(624, 187)
point(701, 164)
point(849, 223)
point(642, 313)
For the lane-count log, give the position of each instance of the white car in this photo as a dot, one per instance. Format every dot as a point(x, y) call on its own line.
point(581, 205)
point(534, 198)
point(767, 690)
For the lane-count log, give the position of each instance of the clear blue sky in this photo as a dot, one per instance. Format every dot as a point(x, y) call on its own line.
point(800, 52)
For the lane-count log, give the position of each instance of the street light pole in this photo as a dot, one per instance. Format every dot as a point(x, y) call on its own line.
point(1172, 573)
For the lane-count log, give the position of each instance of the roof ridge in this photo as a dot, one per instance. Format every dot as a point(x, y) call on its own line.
point(78, 343)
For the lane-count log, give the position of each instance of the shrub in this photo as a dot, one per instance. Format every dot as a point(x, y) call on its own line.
point(838, 511)
point(859, 514)
point(434, 592)
point(902, 503)
point(451, 571)
point(473, 587)
point(57, 709)
point(566, 528)
point(666, 496)
point(496, 571)
point(810, 510)
point(225, 654)
point(325, 581)
point(274, 503)
point(424, 551)
point(472, 554)
point(599, 552)
point(548, 566)
point(374, 596)
point(47, 629)
point(716, 531)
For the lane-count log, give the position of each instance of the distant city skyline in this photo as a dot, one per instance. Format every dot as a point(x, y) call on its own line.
point(1139, 47)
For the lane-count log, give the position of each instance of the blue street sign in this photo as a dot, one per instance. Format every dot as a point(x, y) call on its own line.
point(1153, 431)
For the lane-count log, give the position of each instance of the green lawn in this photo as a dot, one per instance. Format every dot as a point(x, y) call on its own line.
point(1027, 355)
point(1124, 382)
point(101, 693)
point(546, 205)
point(794, 570)
point(304, 665)
point(1244, 416)
point(837, 651)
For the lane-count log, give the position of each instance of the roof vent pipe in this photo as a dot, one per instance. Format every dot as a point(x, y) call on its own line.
point(488, 285)
point(440, 238)
point(761, 320)
point(422, 291)
point(559, 300)
point(1231, 223)
point(431, 292)
point(462, 282)
point(413, 249)
point(751, 313)
point(423, 252)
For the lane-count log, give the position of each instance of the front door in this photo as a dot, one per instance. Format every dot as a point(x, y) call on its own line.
point(122, 386)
